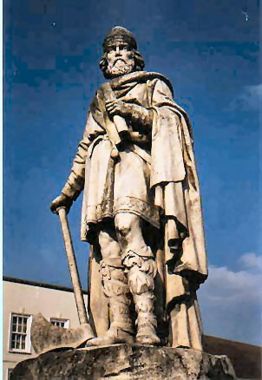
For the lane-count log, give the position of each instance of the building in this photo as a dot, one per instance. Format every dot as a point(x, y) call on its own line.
point(23, 299)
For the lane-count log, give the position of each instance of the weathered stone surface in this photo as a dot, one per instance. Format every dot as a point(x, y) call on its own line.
point(125, 362)
point(46, 337)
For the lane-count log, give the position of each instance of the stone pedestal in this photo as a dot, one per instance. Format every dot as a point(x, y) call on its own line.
point(125, 362)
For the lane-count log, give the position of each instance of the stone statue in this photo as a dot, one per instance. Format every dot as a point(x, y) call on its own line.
point(141, 209)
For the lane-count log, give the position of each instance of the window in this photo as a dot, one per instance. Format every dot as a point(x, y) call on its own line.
point(20, 333)
point(60, 322)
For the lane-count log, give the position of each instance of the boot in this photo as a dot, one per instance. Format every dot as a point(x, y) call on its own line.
point(146, 321)
point(115, 287)
point(141, 272)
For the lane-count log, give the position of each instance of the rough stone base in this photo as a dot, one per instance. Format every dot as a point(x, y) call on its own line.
point(125, 362)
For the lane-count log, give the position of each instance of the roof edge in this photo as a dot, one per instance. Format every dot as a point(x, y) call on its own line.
point(40, 284)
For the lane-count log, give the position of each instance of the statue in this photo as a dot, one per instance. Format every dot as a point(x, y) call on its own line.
point(141, 209)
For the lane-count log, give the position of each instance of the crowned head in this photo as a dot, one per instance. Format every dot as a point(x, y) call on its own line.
point(120, 53)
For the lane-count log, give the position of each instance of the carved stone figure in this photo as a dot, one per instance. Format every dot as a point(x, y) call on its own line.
point(141, 209)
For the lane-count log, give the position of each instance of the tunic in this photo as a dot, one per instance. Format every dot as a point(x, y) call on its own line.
point(122, 185)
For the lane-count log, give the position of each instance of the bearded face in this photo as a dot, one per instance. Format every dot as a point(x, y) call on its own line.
point(120, 59)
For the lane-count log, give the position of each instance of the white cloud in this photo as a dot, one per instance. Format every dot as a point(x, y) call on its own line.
point(231, 300)
point(251, 261)
point(250, 98)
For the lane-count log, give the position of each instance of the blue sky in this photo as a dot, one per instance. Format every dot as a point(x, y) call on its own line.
point(210, 52)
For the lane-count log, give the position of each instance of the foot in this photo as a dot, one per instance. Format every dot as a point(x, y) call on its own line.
point(113, 336)
point(147, 335)
point(148, 339)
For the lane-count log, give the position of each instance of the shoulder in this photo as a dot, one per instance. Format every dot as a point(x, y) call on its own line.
point(162, 87)
point(160, 82)
point(159, 88)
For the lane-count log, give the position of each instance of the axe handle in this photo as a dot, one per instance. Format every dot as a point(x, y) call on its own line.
point(80, 305)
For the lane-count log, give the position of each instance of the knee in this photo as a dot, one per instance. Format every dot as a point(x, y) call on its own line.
point(125, 224)
point(109, 248)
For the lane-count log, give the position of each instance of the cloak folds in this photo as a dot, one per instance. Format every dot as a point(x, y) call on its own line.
point(174, 188)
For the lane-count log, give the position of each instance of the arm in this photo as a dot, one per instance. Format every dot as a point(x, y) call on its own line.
point(135, 113)
point(160, 94)
point(75, 181)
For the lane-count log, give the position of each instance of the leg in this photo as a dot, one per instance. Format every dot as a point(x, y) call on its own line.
point(141, 270)
point(115, 287)
point(109, 245)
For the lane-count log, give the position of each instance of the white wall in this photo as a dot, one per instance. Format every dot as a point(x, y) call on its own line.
point(30, 299)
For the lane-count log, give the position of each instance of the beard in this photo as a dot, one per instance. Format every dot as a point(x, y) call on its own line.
point(120, 66)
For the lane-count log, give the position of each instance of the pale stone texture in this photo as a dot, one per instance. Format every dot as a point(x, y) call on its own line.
point(45, 336)
point(126, 362)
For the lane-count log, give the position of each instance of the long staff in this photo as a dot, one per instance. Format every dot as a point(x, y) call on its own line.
point(79, 300)
point(43, 336)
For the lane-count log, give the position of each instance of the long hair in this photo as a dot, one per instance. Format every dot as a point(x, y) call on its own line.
point(139, 63)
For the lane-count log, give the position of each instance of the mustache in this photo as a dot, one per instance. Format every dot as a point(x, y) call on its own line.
point(119, 59)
